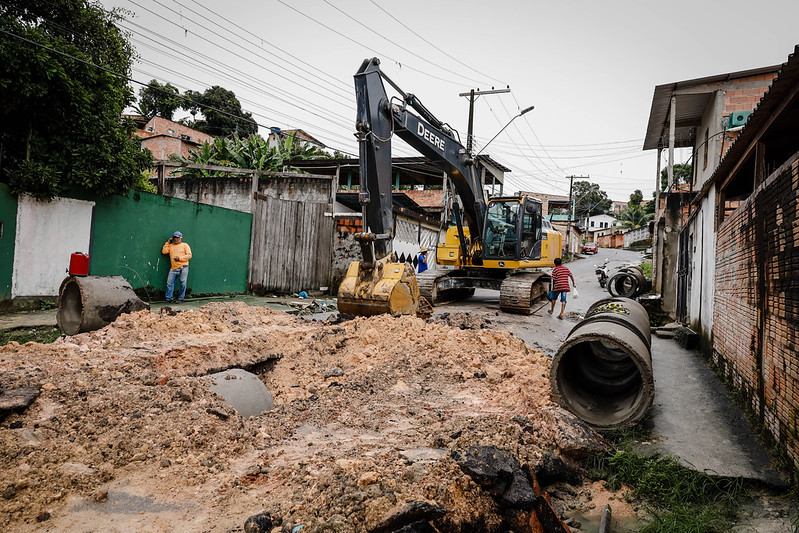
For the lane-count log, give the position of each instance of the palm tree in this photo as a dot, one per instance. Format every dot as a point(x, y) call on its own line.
point(633, 217)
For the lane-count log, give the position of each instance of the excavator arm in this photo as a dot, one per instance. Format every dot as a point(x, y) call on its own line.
point(379, 119)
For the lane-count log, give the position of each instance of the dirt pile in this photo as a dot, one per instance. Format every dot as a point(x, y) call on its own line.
point(126, 435)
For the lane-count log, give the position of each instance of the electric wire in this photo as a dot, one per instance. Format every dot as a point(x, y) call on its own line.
point(133, 80)
point(401, 47)
point(433, 45)
point(236, 54)
point(334, 79)
point(400, 63)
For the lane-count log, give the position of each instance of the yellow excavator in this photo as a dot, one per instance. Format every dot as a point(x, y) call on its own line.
point(496, 243)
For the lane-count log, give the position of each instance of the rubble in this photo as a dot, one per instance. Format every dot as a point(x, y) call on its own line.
point(369, 415)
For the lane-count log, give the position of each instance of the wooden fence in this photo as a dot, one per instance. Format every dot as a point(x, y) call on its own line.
point(291, 246)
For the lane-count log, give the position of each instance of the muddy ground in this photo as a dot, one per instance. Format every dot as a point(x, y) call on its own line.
point(372, 420)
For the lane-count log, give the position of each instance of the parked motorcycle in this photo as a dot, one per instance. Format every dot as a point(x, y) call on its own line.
point(601, 272)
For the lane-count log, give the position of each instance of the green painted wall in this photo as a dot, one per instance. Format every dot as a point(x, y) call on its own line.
point(128, 233)
point(8, 230)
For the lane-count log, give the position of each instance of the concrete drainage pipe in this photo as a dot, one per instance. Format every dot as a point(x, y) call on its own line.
point(87, 303)
point(629, 282)
point(603, 371)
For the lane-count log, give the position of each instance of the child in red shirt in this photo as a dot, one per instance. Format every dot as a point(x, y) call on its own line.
point(560, 286)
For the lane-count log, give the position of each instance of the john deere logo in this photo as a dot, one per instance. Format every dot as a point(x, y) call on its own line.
point(502, 263)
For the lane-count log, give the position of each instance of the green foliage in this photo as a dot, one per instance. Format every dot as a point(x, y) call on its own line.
point(216, 123)
point(251, 153)
point(633, 216)
point(40, 334)
point(647, 268)
point(589, 199)
point(636, 197)
point(60, 120)
point(682, 174)
point(145, 185)
point(676, 498)
point(156, 99)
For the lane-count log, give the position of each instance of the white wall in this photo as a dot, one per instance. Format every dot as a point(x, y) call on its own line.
point(47, 235)
point(703, 267)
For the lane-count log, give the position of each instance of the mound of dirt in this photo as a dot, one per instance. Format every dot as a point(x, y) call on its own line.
point(126, 435)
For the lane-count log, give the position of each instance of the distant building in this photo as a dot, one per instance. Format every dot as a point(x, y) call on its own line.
point(164, 137)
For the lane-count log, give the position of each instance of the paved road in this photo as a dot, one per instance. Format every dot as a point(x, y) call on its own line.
point(693, 418)
point(541, 330)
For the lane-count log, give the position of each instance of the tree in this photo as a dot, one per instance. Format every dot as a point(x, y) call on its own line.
point(60, 122)
point(222, 113)
point(161, 100)
point(636, 198)
point(589, 199)
point(634, 216)
point(683, 173)
point(250, 153)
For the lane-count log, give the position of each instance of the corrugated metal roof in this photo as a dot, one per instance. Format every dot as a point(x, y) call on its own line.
point(692, 100)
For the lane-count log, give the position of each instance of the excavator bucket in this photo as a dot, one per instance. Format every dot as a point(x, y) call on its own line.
point(389, 287)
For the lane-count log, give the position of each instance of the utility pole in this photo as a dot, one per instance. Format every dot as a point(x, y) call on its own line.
point(571, 210)
point(471, 95)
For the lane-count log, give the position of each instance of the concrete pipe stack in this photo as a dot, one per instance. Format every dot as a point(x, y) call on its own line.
point(87, 303)
point(603, 371)
point(628, 282)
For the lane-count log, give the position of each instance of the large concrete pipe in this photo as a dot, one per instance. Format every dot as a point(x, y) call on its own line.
point(629, 282)
point(87, 303)
point(603, 371)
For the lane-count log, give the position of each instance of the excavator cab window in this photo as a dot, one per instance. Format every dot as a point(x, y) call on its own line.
point(531, 231)
point(502, 229)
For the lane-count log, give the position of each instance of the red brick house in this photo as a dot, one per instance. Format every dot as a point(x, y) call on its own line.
point(739, 252)
point(164, 137)
point(705, 115)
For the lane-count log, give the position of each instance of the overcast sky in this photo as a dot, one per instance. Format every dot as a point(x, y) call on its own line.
point(589, 68)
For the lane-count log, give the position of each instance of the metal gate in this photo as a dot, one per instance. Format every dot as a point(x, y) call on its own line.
point(683, 274)
point(291, 245)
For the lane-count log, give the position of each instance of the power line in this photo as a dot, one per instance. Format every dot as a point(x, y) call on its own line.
point(335, 80)
point(133, 80)
point(433, 45)
point(401, 47)
point(367, 47)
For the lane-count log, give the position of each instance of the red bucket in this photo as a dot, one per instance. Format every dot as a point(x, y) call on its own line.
point(79, 264)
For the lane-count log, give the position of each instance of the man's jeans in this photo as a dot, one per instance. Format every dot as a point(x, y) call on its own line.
point(183, 274)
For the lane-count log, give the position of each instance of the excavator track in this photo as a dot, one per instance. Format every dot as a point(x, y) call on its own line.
point(427, 285)
point(518, 292)
point(438, 287)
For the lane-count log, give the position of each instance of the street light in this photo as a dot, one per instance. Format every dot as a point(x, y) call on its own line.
point(522, 112)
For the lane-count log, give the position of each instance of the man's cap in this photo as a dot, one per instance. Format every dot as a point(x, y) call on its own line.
point(424, 249)
point(177, 234)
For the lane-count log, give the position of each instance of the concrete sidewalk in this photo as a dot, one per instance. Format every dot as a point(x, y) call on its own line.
point(695, 419)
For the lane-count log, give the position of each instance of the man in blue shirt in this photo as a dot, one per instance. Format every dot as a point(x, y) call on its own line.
point(423, 260)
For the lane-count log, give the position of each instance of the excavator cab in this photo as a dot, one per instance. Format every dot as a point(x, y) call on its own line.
point(512, 229)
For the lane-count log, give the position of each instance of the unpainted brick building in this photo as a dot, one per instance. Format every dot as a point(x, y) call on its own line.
point(741, 247)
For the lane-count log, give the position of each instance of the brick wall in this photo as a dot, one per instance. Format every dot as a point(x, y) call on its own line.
point(757, 303)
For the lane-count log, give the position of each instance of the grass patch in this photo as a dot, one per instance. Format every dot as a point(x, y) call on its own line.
point(647, 268)
point(40, 334)
point(676, 498)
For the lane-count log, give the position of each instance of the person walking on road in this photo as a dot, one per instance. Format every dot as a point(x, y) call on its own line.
point(179, 255)
point(560, 286)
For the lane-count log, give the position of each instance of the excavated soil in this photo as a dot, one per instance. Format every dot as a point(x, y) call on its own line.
point(126, 435)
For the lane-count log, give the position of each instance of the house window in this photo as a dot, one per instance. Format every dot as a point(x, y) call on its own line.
point(592, 223)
